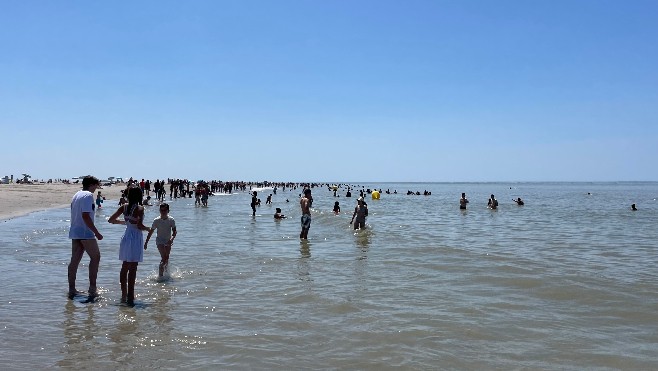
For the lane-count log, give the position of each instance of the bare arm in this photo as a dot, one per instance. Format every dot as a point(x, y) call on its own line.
point(114, 218)
point(140, 219)
point(173, 235)
point(86, 217)
point(148, 237)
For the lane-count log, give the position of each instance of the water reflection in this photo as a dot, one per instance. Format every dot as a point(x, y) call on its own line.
point(303, 263)
point(125, 335)
point(162, 328)
point(363, 239)
point(305, 249)
point(162, 315)
point(80, 330)
point(381, 303)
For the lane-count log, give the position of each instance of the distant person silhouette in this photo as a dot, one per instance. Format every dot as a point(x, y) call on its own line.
point(463, 201)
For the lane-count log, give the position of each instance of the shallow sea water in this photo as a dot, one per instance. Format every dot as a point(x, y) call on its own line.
point(568, 281)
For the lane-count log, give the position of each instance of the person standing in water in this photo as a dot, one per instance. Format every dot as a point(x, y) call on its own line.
point(165, 225)
point(254, 202)
point(305, 203)
point(492, 203)
point(130, 248)
point(84, 235)
point(462, 202)
point(360, 212)
point(99, 200)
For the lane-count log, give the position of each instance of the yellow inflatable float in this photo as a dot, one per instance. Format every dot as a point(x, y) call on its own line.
point(375, 195)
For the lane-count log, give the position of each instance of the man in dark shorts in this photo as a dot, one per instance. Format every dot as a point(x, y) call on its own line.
point(254, 201)
point(305, 204)
point(463, 201)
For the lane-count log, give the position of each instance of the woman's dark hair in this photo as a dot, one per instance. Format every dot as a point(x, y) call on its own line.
point(134, 198)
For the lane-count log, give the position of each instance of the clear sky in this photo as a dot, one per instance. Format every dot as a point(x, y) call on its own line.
point(376, 90)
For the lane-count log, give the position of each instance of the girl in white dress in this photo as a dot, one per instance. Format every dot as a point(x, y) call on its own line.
point(132, 242)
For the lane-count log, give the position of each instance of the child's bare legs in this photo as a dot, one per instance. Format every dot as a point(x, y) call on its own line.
point(132, 275)
point(164, 250)
point(127, 279)
point(123, 279)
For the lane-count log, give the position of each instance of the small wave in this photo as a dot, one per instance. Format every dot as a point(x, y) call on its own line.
point(169, 276)
point(262, 189)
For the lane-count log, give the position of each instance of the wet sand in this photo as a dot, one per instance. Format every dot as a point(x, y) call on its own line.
point(22, 199)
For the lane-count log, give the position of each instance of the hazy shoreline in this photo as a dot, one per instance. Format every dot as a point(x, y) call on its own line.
point(22, 199)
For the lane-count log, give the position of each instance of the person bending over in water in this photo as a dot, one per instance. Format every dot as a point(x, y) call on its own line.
point(166, 227)
point(519, 201)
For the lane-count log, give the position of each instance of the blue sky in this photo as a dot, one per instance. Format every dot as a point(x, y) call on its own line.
point(331, 90)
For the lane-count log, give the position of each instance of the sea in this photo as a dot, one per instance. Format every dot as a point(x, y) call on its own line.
point(569, 281)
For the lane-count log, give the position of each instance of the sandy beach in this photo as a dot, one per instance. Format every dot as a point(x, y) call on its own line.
point(22, 199)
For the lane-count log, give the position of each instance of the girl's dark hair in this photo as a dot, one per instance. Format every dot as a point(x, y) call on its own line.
point(134, 198)
point(164, 205)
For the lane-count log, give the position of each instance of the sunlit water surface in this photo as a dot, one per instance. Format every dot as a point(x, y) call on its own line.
point(568, 281)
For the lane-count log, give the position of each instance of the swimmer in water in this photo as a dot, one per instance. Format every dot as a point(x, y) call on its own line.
point(278, 214)
point(519, 201)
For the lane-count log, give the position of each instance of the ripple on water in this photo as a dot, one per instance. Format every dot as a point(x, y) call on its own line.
point(567, 281)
